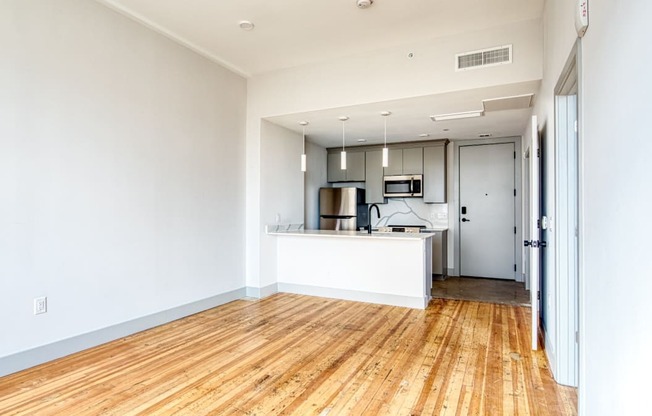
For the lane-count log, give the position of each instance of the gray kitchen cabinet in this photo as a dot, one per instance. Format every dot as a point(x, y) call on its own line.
point(374, 177)
point(413, 161)
point(334, 173)
point(434, 174)
point(395, 165)
point(355, 167)
point(407, 161)
point(440, 255)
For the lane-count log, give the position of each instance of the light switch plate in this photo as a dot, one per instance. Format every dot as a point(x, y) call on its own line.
point(40, 305)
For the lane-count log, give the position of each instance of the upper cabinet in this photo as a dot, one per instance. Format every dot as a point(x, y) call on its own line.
point(355, 167)
point(434, 174)
point(413, 161)
point(355, 163)
point(335, 174)
point(374, 177)
point(408, 161)
point(428, 159)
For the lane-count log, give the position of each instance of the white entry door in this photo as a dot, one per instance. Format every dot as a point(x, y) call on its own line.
point(533, 244)
point(487, 221)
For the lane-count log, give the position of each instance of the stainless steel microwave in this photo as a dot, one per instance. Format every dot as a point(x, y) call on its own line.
point(401, 186)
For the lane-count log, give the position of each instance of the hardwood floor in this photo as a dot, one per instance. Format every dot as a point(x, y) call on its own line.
point(300, 355)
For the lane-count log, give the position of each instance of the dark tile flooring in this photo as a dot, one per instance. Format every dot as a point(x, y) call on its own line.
point(507, 292)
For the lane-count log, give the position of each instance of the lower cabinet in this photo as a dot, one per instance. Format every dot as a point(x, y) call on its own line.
point(440, 254)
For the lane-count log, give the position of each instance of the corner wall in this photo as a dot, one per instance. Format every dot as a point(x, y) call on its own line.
point(616, 145)
point(281, 196)
point(121, 173)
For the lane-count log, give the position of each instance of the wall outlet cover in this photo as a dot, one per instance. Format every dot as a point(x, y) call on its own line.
point(40, 305)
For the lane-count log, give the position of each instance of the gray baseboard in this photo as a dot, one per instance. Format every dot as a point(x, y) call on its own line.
point(39, 355)
point(262, 292)
point(369, 297)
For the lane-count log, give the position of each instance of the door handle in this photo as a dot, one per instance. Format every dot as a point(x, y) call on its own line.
point(465, 220)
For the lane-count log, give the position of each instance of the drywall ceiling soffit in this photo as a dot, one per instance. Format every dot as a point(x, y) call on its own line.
point(291, 33)
point(410, 118)
point(516, 102)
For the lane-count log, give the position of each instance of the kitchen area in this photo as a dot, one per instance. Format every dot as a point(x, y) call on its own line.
point(382, 230)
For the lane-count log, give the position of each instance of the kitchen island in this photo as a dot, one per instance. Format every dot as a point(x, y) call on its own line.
point(386, 268)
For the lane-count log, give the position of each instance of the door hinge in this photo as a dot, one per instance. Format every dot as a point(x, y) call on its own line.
point(514, 155)
point(538, 295)
point(577, 337)
point(538, 152)
point(514, 191)
point(514, 267)
point(514, 230)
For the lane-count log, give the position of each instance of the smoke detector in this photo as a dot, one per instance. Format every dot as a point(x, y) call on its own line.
point(363, 4)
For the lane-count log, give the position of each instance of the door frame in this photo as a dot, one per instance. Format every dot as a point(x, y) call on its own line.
point(454, 208)
point(567, 270)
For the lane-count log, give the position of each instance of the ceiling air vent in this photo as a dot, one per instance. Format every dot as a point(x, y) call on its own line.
point(486, 57)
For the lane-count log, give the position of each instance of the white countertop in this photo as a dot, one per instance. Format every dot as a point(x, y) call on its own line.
point(354, 234)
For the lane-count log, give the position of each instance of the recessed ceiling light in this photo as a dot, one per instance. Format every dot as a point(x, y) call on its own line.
point(246, 25)
point(362, 140)
point(363, 4)
point(424, 135)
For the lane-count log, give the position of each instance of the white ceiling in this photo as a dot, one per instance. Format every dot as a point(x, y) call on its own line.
point(290, 33)
point(411, 117)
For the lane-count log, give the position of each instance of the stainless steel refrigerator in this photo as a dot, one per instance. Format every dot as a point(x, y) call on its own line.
point(342, 209)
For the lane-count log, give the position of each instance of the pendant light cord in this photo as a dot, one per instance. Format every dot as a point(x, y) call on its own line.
point(385, 118)
point(343, 141)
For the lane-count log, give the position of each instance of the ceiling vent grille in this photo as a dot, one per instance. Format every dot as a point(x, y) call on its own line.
point(486, 57)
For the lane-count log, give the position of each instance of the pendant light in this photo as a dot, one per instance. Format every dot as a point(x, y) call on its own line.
point(303, 155)
point(385, 114)
point(343, 153)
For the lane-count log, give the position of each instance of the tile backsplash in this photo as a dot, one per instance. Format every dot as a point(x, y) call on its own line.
point(411, 211)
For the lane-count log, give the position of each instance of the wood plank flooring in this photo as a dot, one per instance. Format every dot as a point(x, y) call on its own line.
point(301, 355)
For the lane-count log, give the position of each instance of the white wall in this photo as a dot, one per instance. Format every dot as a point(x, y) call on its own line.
point(281, 196)
point(121, 172)
point(315, 178)
point(617, 200)
point(615, 281)
point(376, 76)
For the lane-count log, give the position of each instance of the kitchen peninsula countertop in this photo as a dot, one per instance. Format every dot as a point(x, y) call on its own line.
point(354, 234)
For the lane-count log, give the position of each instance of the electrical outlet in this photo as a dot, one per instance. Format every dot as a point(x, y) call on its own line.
point(40, 305)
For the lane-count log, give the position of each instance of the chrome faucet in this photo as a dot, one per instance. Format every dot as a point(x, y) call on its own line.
point(377, 212)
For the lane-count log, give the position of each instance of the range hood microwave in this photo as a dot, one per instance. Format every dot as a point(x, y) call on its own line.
point(402, 186)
